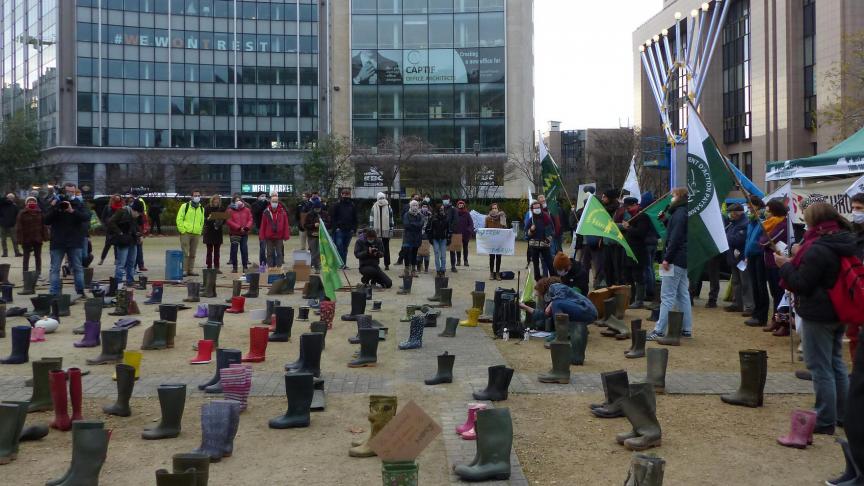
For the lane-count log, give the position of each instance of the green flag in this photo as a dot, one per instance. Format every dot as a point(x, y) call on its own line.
point(596, 221)
point(551, 179)
point(528, 291)
point(653, 212)
point(330, 263)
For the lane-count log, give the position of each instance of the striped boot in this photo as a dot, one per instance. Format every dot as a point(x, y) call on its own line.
point(236, 383)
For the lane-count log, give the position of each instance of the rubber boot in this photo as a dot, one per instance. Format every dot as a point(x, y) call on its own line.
point(133, 359)
point(303, 314)
point(155, 295)
point(640, 408)
point(440, 283)
point(12, 417)
point(60, 399)
point(613, 324)
point(284, 320)
point(319, 396)
point(168, 312)
point(20, 346)
point(639, 300)
point(215, 314)
point(750, 392)
point(560, 372)
point(268, 313)
point(409, 312)
point(224, 358)
point(488, 310)
point(445, 370)
point(211, 331)
point(155, 336)
point(382, 409)
point(635, 325)
point(125, 385)
point(236, 290)
point(113, 344)
point(172, 399)
point(257, 345)
point(76, 392)
point(254, 279)
point(89, 449)
point(171, 334)
point(415, 334)
point(112, 287)
point(2, 320)
point(658, 359)
point(309, 361)
point(217, 421)
point(183, 478)
point(92, 313)
point(494, 430)
point(238, 305)
point(358, 305)
point(617, 387)
point(205, 352)
point(801, 430)
point(363, 322)
point(852, 476)
point(638, 350)
point(450, 326)
point(41, 304)
point(471, 420)
point(473, 315)
point(209, 288)
point(578, 332)
point(237, 383)
point(327, 311)
point(477, 299)
point(431, 318)
point(673, 330)
point(446, 296)
point(41, 400)
point(299, 391)
point(562, 328)
point(121, 307)
point(29, 280)
point(622, 300)
point(368, 349)
point(193, 292)
point(200, 311)
point(6, 296)
point(284, 285)
point(498, 385)
point(320, 328)
point(200, 463)
point(407, 282)
point(655, 315)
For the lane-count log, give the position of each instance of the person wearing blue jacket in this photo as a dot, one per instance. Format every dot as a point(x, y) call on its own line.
point(675, 289)
point(736, 236)
point(754, 253)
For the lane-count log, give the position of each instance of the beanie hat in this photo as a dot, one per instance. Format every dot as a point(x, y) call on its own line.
point(611, 193)
point(30, 198)
point(734, 207)
point(561, 261)
point(316, 203)
point(380, 195)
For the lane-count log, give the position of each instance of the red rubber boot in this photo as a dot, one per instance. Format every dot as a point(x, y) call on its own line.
point(257, 344)
point(205, 352)
point(61, 421)
point(76, 393)
point(237, 305)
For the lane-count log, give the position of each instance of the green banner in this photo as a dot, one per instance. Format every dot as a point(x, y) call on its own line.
point(653, 212)
point(330, 263)
point(596, 221)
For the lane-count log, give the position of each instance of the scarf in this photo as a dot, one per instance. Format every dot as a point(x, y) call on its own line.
point(771, 223)
point(382, 202)
point(115, 205)
point(272, 218)
point(811, 236)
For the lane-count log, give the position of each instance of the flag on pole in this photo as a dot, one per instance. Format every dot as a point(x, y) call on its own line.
point(551, 179)
point(528, 291)
point(708, 183)
point(596, 221)
point(330, 263)
point(631, 184)
point(789, 198)
point(746, 183)
point(856, 188)
point(653, 212)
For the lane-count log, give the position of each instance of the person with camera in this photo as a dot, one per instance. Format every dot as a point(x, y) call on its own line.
point(369, 250)
point(67, 217)
point(124, 233)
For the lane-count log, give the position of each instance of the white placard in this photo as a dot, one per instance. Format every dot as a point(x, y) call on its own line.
point(479, 219)
point(494, 241)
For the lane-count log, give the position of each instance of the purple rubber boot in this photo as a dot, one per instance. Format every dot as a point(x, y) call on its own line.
point(201, 311)
point(91, 335)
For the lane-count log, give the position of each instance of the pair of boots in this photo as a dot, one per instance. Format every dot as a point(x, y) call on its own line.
point(754, 372)
point(494, 434)
point(299, 390)
point(468, 430)
point(58, 377)
point(382, 408)
point(220, 420)
point(172, 400)
point(189, 469)
point(497, 386)
point(640, 408)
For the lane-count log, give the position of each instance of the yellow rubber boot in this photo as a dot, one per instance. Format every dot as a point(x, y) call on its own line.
point(473, 315)
point(133, 359)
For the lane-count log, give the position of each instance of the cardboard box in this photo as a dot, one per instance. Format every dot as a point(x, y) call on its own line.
point(407, 434)
point(303, 271)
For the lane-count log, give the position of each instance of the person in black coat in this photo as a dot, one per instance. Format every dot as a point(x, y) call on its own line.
point(736, 236)
point(154, 212)
point(66, 218)
point(637, 229)
point(343, 215)
point(368, 250)
point(8, 215)
point(675, 287)
point(258, 208)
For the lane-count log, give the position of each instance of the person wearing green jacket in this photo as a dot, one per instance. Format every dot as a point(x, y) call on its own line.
point(190, 224)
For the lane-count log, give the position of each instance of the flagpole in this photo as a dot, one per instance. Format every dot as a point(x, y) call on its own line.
point(642, 210)
point(722, 155)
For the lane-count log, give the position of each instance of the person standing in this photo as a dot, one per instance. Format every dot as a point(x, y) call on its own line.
point(154, 212)
point(438, 233)
point(114, 205)
point(754, 253)
point(8, 215)
point(453, 220)
point(464, 227)
point(190, 225)
point(212, 232)
point(344, 216)
point(313, 227)
point(66, 218)
point(300, 212)
point(258, 208)
point(31, 233)
point(496, 219)
point(540, 229)
point(636, 228)
point(275, 229)
point(775, 233)
point(123, 230)
point(556, 220)
point(413, 227)
point(368, 251)
point(143, 228)
point(736, 236)
point(651, 241)
point(381, 220)
point(612, 251)
point(675, 288)
point(239, 223)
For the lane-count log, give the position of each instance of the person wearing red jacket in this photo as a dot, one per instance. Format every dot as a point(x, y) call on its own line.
point(239, 222)
point(275, 230)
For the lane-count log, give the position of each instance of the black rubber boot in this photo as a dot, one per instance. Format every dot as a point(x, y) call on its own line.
point(658, 359)
point(215, 314)
point(450, 326)
point(445, 370)
point(635, 325)
point(750, 392)
point(41, 305)
point(431, 318)
point(560, 372)
point(638, 350)
point(224, 358)
point(209, 289)
point(89, 449)
point(2, 320)
point(183, 478)
point(440, 283)
point(254, 280)
point(673, 330)
point(268, 313)
point(363, 322)
point(29, 280)
point(578, 342)
point(125, 385)
point(20, 346)
point(415, 333)
point(407, 283)
point(446, 296)
point(311, 347)
point(319, 396)
point(614, 325)
point(155, 336)
point(640, 408)
point(236, 290)
point(617, 388)
point(320, 328)
point(172, 399)
point(41, 398)
point(368, 349)
point(299, 390)
point(168, 312)
point(112, 287)
point(199, 462)
point(494, 429)
point(155, 295)
point(498, 385)
point(12, 417)
point(193, 292)
point(358, 305)
point(284, 321)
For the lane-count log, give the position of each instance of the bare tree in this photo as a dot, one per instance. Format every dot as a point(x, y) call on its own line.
point(845, 113)
point(150, 170)
point(524, 163)
point(389, 157)
point(328, 165)
point(608, 155)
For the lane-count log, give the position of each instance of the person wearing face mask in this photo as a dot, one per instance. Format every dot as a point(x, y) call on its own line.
point(496, 219)
point(425, 244)
point(313, 227)
point(114, 205)
point(465, 228)
point(8, 214)
point(190, 225)
point(124, 229)
point(754, 253)
point(258, 207)
point(857, 203)
point(344, 216)
point(438, 233)
point(570, 272)
point(31, 233)
point(775, 231)
point(556, 220)
point(212, 232)
point(413, 227)
point(368, 250)
point(239, 223)
point(381, 220)
point(736, 236)
point(613, 253)
point(144, 228)
point(456, 237)
point(540, 229)
point(275, 230)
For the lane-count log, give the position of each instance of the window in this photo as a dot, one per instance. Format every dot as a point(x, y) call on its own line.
point(414, 6)
point(130, 104)
point(747, 164)
point(736, 73)
point(87, 102)
point(364, 6)
point(492, 29)
point(85, 67)
point(390, 31)
point(415, 32)
point(466, 30)
point(113, 102)
point(809, 64)
point(441, 30)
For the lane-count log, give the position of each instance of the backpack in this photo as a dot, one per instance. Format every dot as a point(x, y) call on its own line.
point(848, 291)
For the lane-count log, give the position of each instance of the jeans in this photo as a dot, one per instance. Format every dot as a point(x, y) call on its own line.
point(573, 311)
point(74, 257)
point(440, 249)
point(262, 251)
point(823, 353)
point(536, 254)
point(9, 233)
point(494, 263)
point(241, 242)
point(675, 292)
point(342, 239)
point(124, 261)
point(275, 257)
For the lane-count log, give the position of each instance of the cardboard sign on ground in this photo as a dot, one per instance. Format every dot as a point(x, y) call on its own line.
point(303, 271)
point(407, 434)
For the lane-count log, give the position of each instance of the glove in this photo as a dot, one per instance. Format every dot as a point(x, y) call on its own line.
point(736, 253)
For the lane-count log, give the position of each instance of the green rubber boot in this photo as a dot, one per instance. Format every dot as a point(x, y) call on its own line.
point(494, 429)
point(560, 372)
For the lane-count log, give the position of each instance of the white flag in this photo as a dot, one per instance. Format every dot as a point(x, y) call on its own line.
point(789, 198)
point(631, 185)
point(856, 188)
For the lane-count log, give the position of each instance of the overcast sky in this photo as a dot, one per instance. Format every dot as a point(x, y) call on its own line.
point(584, 61)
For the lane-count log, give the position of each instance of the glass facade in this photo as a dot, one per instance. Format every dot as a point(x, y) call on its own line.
point(28, 50)
point(809, 64)
point(197, 73)
point(433, 69)
point(737, 123)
